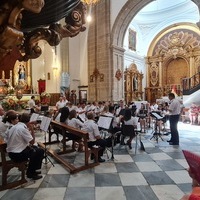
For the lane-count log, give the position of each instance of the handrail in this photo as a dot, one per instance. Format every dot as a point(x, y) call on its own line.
point(191, 85)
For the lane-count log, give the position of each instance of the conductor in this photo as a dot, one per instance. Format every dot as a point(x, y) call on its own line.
point(174, 111)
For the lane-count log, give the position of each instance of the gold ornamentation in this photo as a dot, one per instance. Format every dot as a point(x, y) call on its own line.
point(154, 73)
point(90, 1)
point(11, 35)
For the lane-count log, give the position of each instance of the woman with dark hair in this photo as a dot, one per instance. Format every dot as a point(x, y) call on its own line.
point(64, 117)
point(64, 114)
point(5, 124)
point(128, 119)
point(76, 123)
point(142, 114)
point(20, 144)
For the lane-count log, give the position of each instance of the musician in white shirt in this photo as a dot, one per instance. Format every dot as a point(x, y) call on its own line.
point(81, 112)
point(94, 135)
point(121, 106)
point(174, 111)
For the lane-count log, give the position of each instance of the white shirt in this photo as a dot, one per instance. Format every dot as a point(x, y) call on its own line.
point(31, 103)
point(174, 107)
point(58, 117)
point(60, 104)
point(92, 129)
point(76, 123)
point(18, 138)
point(81, 113)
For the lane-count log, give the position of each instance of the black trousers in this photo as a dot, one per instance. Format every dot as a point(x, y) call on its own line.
point(35, 156)
point(173, 121)
point(99, 142)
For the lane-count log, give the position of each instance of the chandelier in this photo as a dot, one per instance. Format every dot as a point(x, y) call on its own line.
point(89, 1)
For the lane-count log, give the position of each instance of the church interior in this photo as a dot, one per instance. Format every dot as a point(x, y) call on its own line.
point(105, 50)
point(145, 47)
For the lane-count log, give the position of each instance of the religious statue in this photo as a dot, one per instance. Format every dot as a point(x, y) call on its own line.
point(21, 73)
point(135, 83)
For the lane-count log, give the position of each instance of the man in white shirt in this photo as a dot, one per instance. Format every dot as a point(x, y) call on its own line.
point(31, 104)
point(60, 103)
point(121, 107)
point(81, 112)
point(174, 111)
point(94, 135)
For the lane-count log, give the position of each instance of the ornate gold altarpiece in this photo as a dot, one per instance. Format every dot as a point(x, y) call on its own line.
point(133, 84)
point(174, 57)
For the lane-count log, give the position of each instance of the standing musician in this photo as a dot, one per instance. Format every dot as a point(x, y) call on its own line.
point(174, 111)
point(142, 114)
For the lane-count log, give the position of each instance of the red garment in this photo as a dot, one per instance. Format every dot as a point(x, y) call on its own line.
point(194, 197)
point(195, 194)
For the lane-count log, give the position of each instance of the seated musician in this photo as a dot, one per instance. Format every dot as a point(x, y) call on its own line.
point(94, 135)
point(76, 123)
point(116, 122)
point(81, 112)
point(20, 146)
point(128, 119)
point(64, 118)
point(142, 114)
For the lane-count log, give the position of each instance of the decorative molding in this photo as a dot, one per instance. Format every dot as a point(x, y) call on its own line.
point(154, 72)
point(118, 74)
point(11, 35)
point(177, 43)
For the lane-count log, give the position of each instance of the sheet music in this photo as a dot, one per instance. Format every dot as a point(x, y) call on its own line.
point(157, 116)
point(104, 122)
point(45, 123)
point(34, 117)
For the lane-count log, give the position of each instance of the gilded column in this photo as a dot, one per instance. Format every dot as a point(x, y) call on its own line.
point(160, 72)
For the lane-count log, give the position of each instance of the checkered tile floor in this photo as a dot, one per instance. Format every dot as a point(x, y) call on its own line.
point(156, 173)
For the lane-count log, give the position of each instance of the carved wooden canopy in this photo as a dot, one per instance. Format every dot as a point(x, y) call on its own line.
point(24, 22)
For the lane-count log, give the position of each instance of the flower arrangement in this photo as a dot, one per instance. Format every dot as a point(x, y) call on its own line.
point(11, 104)
point(45, 98)
point(11, 90)
point(45, 94)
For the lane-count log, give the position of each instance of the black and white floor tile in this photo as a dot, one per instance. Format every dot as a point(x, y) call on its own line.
point(158, 173)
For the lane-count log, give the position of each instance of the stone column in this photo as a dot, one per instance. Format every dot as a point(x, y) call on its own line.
point(117, 63)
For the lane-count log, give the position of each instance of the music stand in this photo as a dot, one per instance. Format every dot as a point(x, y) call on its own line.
point(105, 124)
point(156, 133)
point(44, 127)
point(44, 109)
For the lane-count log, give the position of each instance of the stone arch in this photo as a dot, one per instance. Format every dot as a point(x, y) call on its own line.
point(125, 16)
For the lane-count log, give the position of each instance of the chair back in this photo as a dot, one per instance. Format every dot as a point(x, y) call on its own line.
point(128, 130)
